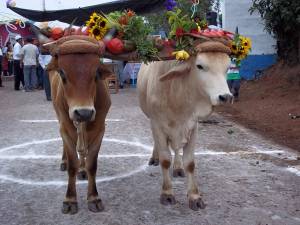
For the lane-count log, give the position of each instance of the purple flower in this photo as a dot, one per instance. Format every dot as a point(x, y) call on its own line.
point(170, 4)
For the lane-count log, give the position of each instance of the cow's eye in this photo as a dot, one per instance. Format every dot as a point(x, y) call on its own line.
point(200, 67)
point(62, 76)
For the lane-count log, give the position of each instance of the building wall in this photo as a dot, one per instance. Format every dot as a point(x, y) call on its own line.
point(263, 54)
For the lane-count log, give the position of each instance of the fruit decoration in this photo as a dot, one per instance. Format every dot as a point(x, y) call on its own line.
point(115, 46)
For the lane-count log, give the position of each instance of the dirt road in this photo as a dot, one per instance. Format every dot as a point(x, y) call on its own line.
point(245, 179)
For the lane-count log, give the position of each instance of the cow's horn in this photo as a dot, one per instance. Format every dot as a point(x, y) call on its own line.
point(42, 38)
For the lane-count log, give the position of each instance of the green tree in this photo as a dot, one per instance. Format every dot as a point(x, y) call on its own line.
point(282, 19)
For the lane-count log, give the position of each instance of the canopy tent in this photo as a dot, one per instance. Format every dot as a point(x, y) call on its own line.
point(82, 13)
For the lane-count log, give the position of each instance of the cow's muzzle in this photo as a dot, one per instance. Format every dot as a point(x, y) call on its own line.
point(227, 98)
point(84, 115)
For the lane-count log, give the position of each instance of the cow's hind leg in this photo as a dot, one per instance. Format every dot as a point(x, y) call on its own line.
point(94, 202)
point(63, 165)
point(194, 197)
point(178, 170)
point(154, 160)
point(167, 195)
point(70, 205)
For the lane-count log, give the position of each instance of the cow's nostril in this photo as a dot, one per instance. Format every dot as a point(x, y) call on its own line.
point(83, 114)
point(225, 98)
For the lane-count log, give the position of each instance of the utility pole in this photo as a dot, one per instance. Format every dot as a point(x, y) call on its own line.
point(44, 5)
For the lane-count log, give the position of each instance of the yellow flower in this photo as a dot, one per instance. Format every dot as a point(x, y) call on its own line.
point(234, 48)
point(90, 23)
point(97, 32)
point(181, 55)
point(98, 26)
point(95, 17)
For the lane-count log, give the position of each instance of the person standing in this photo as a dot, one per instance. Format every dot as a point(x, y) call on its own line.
point(234, 79)
point(44, 60)
point(7, 59)
point(29, 56)
point(1, 57)
point(18, 72)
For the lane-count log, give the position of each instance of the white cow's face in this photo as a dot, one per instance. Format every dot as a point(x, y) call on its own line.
point(211, 69)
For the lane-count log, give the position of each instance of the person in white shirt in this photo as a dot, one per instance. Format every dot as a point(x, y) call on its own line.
point(44, 60)
point(18, 72)
point(29, 56)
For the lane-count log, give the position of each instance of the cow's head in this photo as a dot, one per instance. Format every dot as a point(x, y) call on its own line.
point(208, 70)
point(78, 65)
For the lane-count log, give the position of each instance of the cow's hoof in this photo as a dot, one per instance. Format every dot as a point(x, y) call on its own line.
point(69, 208)
point(153, 162)
point(167, 199)
point(63, 166)
point(96, 205)
point(178, 173)
point(196, 204)
point(82, 175)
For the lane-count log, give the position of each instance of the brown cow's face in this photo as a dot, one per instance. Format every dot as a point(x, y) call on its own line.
point(78, 72)
point(211, 70)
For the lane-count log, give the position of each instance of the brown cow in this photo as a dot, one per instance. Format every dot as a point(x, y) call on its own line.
point(81, 101)
point(174, 95)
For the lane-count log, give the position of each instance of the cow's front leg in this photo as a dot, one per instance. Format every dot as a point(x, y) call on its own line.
point(94, 202)
point(194, 196)
point(70, 205)
point(167, 195)
point(63, 165)
point(177, 165)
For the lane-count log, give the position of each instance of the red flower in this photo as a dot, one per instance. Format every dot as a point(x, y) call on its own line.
point(179, 32)
point(194, 31)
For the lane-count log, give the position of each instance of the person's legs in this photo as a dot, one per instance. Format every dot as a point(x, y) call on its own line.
point(17, 74)
point(230, 83)
point(236, 88)
point(27, 78)
point(47, 85)
point(10, 67)
point(39, 73)
point(34, 80)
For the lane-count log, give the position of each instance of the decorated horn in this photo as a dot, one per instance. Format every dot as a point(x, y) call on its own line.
point(41, 37)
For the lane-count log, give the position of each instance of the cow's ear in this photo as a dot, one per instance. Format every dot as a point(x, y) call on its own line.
point(178, 71)
point(103, 72)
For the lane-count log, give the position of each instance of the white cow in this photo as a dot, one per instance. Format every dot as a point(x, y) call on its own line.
point(174, 95)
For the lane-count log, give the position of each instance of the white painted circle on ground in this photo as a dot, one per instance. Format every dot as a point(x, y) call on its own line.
point(6, 178)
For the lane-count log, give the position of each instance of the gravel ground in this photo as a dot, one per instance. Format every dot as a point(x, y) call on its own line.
point(245, 179)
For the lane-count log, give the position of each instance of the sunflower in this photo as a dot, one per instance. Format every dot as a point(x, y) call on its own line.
point(98, 26)
point(95, 17)
point(90, 23)
point(234, 48)
point(240, 47)
point(98, 32)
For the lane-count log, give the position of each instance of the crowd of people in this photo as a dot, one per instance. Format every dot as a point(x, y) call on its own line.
point(27, 61)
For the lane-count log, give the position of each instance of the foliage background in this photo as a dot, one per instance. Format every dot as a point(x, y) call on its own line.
point(282, 19)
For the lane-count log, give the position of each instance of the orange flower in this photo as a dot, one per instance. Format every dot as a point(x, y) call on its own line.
point(130, 13)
